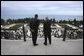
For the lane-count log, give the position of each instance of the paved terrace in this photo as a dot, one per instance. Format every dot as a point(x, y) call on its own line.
point(58, 47)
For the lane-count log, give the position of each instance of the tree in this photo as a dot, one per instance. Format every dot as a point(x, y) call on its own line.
point(53, 20)
point(64, 21)
point(2, 21)
point(74, 21)
point(60, 21)
point(9, 21)
point(81, 21)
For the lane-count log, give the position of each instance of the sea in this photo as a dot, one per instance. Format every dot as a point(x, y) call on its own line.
point(57, 17)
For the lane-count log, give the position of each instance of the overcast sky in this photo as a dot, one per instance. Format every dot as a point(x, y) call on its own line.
point(9, 8)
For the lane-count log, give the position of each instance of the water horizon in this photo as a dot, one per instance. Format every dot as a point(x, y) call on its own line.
point(57, 17)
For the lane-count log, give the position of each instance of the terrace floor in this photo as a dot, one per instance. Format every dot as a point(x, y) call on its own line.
point(58, 47)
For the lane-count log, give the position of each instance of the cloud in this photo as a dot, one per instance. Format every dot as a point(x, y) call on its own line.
point(9, 8)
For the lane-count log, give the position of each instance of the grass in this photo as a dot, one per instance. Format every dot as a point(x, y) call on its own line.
point(67, 27)
point(27, 24)
point(16, 26)
point(53, 24)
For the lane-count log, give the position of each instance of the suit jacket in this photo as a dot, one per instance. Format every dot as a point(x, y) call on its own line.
point(47, 26)
point(34, 23)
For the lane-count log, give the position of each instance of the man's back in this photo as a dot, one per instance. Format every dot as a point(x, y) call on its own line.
point(47, 30)
point(47, 26)
point(34, 23)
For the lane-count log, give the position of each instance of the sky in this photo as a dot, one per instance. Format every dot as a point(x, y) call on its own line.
point(25, 8)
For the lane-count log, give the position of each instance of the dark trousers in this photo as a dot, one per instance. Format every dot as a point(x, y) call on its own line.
point(34, 37)
point(47, 35)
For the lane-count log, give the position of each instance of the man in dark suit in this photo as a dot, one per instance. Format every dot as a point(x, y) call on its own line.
point(34, 23)
point(47, 30)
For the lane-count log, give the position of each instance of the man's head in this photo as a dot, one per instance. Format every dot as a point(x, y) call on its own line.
point(46, 19)
point(36, 16)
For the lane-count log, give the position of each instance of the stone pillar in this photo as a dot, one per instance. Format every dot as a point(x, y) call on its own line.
point(24, 33)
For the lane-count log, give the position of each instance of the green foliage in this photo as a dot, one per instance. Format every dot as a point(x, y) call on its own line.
point(53, 24)
point(41, 20)
point(16, 26)
point(2, 21)
point(27, 20)
point(53, 20)
point(27, 24)
point(63, 21)
point(67, 27)
point(9, 21)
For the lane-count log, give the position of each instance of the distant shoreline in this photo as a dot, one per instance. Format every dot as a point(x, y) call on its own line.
point(57, 17)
